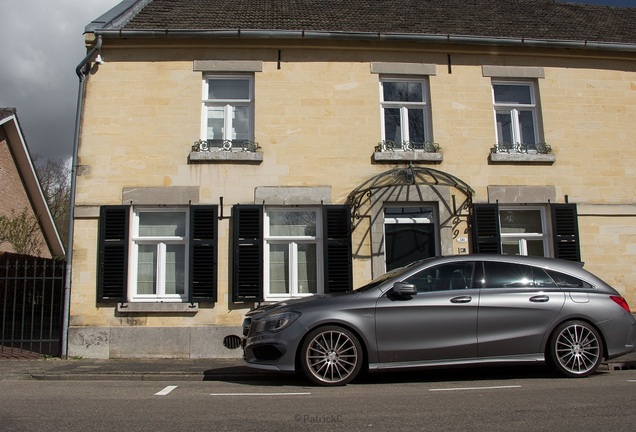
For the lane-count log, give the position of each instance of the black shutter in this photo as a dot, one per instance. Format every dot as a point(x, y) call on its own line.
point(565, 232)
point(247, 242)
point(486, 233)
point(203, 253)
point(112, 274)
point(337, 248)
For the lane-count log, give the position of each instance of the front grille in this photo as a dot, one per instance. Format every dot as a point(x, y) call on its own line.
point(267, 353)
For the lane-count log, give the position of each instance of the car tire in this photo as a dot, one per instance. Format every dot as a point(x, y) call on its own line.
point(575, 349)
point(331, 356)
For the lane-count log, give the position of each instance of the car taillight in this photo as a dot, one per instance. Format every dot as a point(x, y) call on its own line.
point(621, 302)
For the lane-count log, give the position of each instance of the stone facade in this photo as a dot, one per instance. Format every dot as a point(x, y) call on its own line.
point(317, 121)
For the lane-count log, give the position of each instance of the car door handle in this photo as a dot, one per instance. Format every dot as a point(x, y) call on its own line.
point(461, 299)
point(539, 299)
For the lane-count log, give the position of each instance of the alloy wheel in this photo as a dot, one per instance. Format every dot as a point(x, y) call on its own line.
point(577, 349)
point(331, 356)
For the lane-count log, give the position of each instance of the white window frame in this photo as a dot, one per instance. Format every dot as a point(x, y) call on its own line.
point(292, 242)
point(404, 109)
point(523, 238)
point(228, 105)
point(161, 242)
point(514, 109)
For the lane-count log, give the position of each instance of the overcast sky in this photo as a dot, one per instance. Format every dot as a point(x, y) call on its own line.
point(42, 43)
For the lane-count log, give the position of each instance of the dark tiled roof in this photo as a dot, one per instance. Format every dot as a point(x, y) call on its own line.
point(6, 112)
point(530, 19)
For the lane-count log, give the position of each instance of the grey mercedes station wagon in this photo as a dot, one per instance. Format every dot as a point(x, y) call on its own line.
point(459, 310)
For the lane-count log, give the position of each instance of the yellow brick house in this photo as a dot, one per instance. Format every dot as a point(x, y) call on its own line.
point(235, 153)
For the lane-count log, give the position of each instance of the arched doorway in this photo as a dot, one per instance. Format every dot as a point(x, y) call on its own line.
point(409, 213)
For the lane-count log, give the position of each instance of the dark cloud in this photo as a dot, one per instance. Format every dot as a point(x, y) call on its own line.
point(42, 44)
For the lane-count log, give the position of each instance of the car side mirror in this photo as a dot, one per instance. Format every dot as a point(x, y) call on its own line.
point(404, 289)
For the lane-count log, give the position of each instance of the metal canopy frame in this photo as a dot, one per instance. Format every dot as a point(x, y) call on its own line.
point(404, 177)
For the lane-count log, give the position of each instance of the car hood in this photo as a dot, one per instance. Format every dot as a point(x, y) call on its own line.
point(301, 304)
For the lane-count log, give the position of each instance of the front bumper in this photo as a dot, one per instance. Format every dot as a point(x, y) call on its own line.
point(270, 351)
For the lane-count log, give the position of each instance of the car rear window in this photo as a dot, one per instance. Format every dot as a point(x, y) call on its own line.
point(563, 280)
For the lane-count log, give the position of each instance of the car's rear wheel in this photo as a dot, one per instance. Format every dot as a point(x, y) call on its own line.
point(575, 349)
point(331, 356)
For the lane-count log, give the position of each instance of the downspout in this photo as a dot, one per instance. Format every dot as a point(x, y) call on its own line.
point(81, 70)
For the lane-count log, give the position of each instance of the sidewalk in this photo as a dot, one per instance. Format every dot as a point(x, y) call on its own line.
point(168, 369)
point(130, 369)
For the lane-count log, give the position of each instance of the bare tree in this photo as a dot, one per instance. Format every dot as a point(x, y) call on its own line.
point(55, 180)
point(22, 231)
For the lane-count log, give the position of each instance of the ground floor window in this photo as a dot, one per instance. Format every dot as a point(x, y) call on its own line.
point(157, 253)
point(291, 251)
point(293, 245)
point(551, 230)
point(523, 230)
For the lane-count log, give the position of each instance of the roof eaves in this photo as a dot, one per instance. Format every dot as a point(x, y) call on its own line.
point(118, 16)
point(368, 36)
point(27, 171)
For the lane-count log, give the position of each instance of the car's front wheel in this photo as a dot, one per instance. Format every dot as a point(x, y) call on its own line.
point(575, 349)
point(331, 356)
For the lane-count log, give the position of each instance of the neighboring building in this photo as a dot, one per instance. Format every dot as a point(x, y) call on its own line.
point(20, 191)
point(234, 153)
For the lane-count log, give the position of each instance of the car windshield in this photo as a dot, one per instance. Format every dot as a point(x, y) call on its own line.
point(389, 275)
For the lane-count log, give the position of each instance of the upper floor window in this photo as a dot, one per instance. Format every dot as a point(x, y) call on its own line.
point(228, 110)
point(405, 112)
point(516, 115)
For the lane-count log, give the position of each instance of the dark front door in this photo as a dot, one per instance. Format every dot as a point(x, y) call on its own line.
point(410, 235)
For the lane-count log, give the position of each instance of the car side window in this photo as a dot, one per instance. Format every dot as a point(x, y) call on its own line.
point(444, 277)
point(541, 279)
point(563, 280)
point(507, 275)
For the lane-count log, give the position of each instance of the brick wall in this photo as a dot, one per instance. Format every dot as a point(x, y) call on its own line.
point(13, 196)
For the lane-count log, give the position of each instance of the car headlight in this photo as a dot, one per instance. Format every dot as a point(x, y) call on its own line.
point(276, 322)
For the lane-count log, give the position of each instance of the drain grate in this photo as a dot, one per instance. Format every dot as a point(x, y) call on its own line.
point(618, 366)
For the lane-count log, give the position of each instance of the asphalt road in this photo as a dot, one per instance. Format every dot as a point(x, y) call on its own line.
point(475, 400)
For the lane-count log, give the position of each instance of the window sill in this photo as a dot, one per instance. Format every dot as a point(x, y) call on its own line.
point(522, 158)
point(222, 156)
point(157, 307)
point(409, 156)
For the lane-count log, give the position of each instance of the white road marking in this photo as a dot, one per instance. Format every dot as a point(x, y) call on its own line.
point(165, 391)
point(475, 388)
point(259, 394)
point(631, 380)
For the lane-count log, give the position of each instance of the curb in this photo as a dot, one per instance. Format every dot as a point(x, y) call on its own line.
point(152, 377)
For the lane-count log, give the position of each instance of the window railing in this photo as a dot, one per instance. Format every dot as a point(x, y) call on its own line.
point(540, 148)
point(225, 145)
point(388, 146)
